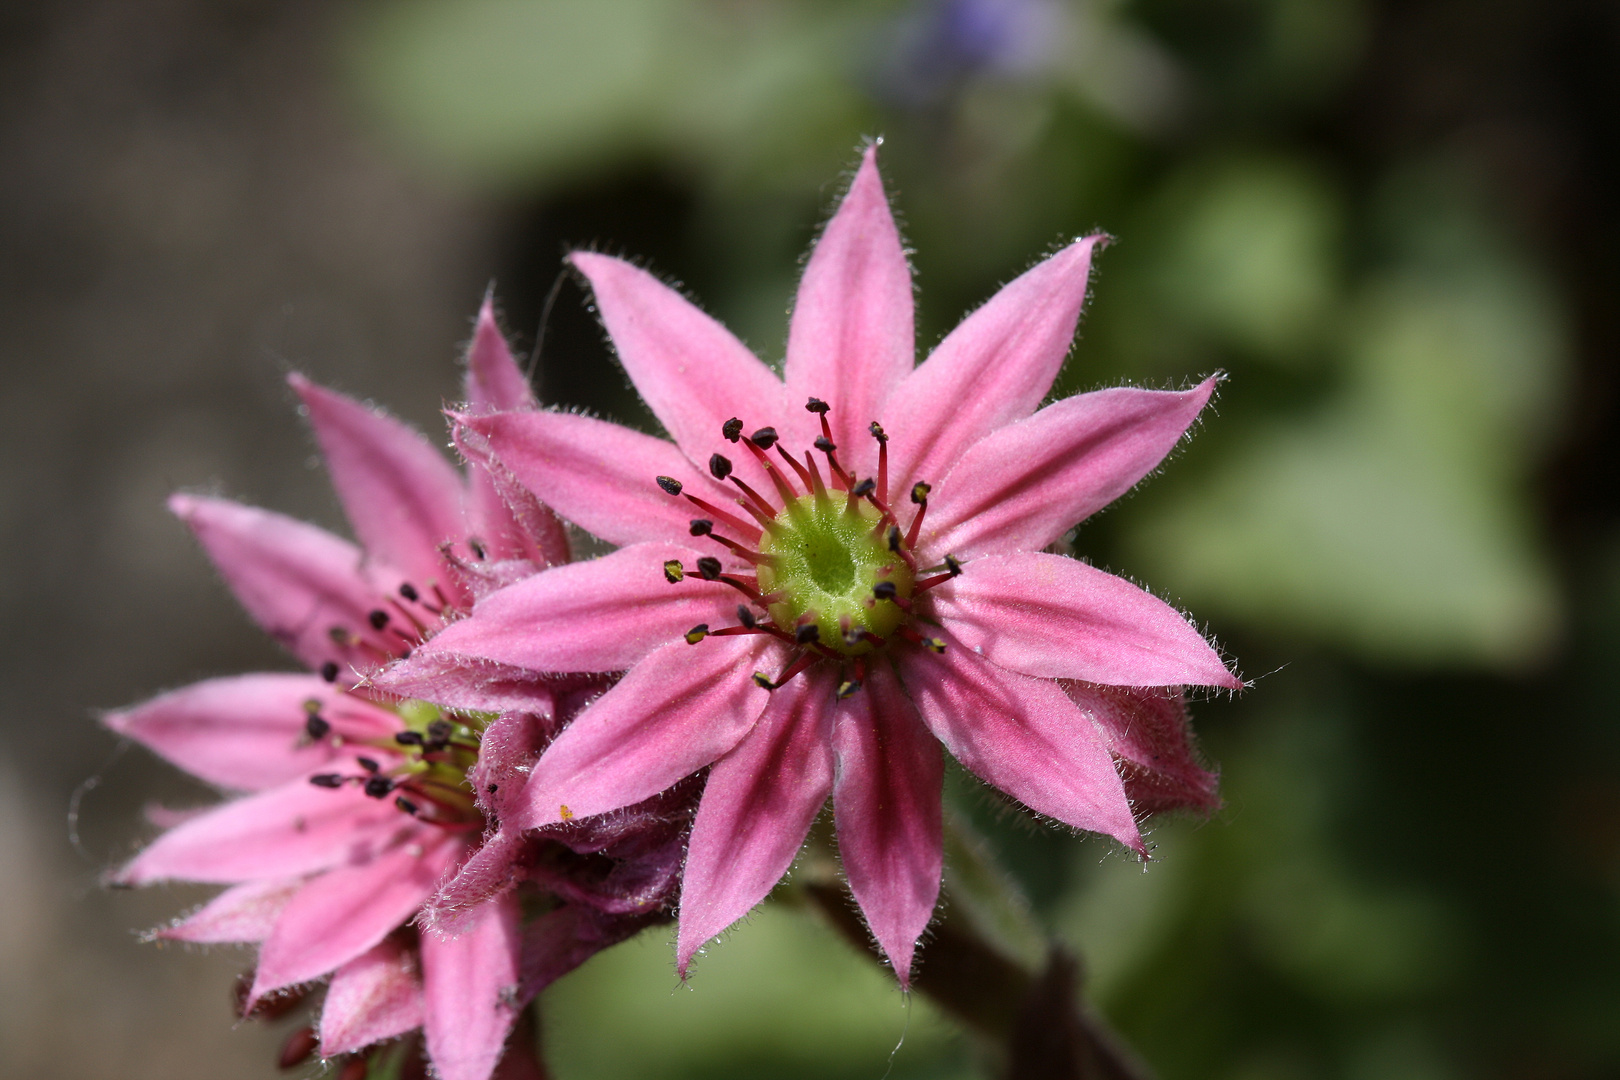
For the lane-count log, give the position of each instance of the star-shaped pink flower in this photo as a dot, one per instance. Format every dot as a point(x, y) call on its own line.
point(827, 575)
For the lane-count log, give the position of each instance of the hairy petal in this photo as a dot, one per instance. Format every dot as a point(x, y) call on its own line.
point(565, 937)
point(886, 805)
point(400, 494)
point(1022, 735)
point(1056, 617)
point(373, 997)
point(1023, 486)
point(344, 912)
point(993, 369)
point(692, 373)
point(757, 808)
point(598, 475)
point(242, 913)
point(677, 711)
point(471, 982)
point(601, 615)
point(294, 829)
point(494, 383)
point(1148, 731)
point(851, 339)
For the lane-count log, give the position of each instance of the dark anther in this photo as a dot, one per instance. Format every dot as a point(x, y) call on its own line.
point(378, 619)
point(329, 671)
point(408, 591)
point(439, 732)
point(952, 565)
point(732, 429)
point(877, 432)
point(408, 738)
point(327, 779)
point(864, 488)
point(339, 635)
point(317, 727)
point(808, 634)
point(379, 786)
point(477, 548)
point(817, 406)
point(670, 485)
point(405, 804)
point(405, 654)
point(894, 539)
point(825, 445)
point(697, 633)
point(746, 617)
point(764, 438)
point(763, 681)
point(493, 788)
point(934, 644)
point(708, 568)
point(701, 527)
point(919, 492)
point(884, 590)
point(847, 688)
point(368, 764)
point(673, 571)
point(719, 466)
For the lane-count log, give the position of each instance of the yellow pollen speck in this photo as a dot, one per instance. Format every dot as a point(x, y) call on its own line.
point(565, 813)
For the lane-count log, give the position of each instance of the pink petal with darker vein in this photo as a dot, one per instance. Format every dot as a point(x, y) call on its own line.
point(471, 986)
point(1148, 730)
point(506, 517)
point(400, 494)
point(677, 711)
point(242, 913)
point(757, 808)
point(297, 828)
point(487, 873)
point(1022, 735)
point(464, 682)
point(248, 731)
point(1022, 487)
point(1056, 617)
point(601, 615)
point(993, 369)
point(851, 339)
point(886, 806)
point(692, 373)
point(600, 476)
point(373, 997)
point(297, 581)
point(346, 911)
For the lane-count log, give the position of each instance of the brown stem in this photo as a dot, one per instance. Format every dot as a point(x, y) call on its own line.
point(1036, 1018)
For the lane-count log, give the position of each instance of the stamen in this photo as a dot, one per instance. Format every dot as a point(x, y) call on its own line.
point(763, 506)
point(815, 475)
point(405, 804)
point(816, 405)
point(826, 445)
point(782, 488)
point(732, 429)
point(885, 590)
point(847, 689)
point(674, 571)
point(327, 780)
point(408, 738)
point(764, 438)
point(408, 591)
point(919, 496)
point(932, 644)
point(708, 568)
point(477, 548)
point(701, 527)
point(697, 633)
point(864, 488)
point(368, 764)
point(754, 557)
point(748, 532)
point(670, 485)
point(329, 671)
point(764, 681)
point(809, 634)
point(378, 787)
point(316, 726)
point(719, 466)
point(804, 476)
point(883, 459)
point(746, 617)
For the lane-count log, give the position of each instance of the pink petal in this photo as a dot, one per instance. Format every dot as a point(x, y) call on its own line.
point(346, 911)
point(400, 494)
point(565, 937)
point(1056, 617)
point(1022, 735)
point(487, 873)
point(507, 518)
point(600, 476)
point(294, 829)
point(851, 339)
point(1023, 486)
point(494, 383)
point(692, 373)
point(993, 369)
point(463, 682)
point(373, 997)
point(242, 913)
point(886, 806)
point(601, 615)
point(248, 731)
point(677, 711)
point(297, 581)
point(473, 997)
point(1148, 730)
point(757, 808)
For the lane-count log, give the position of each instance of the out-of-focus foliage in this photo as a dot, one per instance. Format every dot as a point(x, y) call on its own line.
point(1390, 892)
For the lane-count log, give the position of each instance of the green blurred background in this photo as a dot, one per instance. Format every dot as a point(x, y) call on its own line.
point(1395, 226)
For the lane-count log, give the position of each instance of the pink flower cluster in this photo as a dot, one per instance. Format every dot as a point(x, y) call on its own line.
point(823, 582)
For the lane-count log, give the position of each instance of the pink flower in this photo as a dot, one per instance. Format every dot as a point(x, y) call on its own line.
point(359, 806)
point(826, 576)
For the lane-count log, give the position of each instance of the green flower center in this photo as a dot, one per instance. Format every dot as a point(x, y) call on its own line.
point(826, 561)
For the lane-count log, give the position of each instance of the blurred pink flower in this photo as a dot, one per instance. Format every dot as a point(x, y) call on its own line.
point(879, 616)
point(359, 806)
